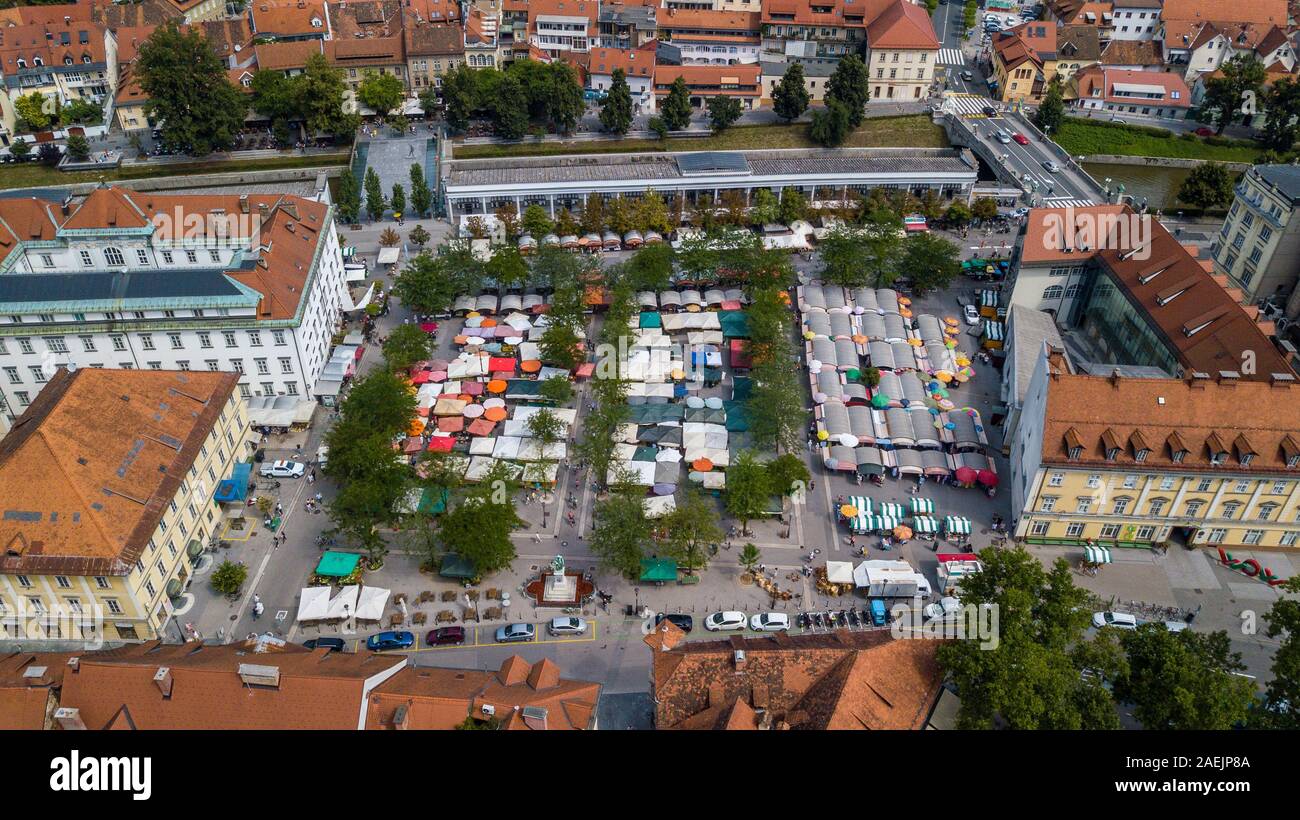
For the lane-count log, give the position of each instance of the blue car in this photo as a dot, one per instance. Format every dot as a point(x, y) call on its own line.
point(390, 640)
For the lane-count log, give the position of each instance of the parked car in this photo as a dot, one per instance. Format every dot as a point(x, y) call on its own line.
point(1204, 132)
point(567, 626)
point(946, 607)
point(1051, 167)
point(971, 314)
point(1019, 212)
point(1020, 138)
point(683, 622)
point(332, 644)
point(282, 469)
point(446, 636)
point(990, 111)
point(1002, 137)
point(1119, 620)
point(770, 622)
point(1118, 119)
point(516, 633)
point(323, 455)
point(878, 615)
point(390, 640)
point(725, 621)
point(968, 76)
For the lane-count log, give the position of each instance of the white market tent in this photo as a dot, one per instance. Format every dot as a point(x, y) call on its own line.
point(278, 411)
point(658, 506)
point(371, 603)
point(839, 572)
point(641, 473)
point(313, 603)
point(388, 256)
point(344, 605)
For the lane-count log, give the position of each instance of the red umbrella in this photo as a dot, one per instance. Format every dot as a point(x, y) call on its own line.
point(988, 478)
point(451, 424)
point(442, 444)
point(965, 475)
point(480, 427)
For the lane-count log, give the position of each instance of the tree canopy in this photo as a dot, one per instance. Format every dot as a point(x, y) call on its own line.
point(189, 92)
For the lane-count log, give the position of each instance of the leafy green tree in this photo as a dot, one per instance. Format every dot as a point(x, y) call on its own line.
point(657, 125)
point(786, 472)
point(790, 97)
point(554, 268)
point(509, 119)
point(188, 90)
point(831, 125)
point(81, 111)
point(380, 92)
point(419, 236)
point(406, 345)
point(1282, 105)
point(421, 196)
point(20, 148)
point(349, 198)
point(507, 267)
point(508, 216)
point(275, 95)
point(228, 578)
point(793, 206)
point(1183, 680)
point(1032, 676)
point(843, 255)
point(478, 527)
point(593, 214)
point(848, 86)
point(37, 110)
point(931, 261)
point(1051, 111)
point(1281, 707)
point(620, 533)
point(652, 213)
point(375, 203)
point(723, 112)
point(398, 200)
point(536, 223)
point(985, 208)
point(616, 110)
point(564, 96)
point(958, 214)
point(78, 148)
point(380, 401)
point(424, 286)
point(557, 390)
point(1208, 185)
point(749, 556)
point(49, 154)
point(459, 96)
point(321, 91)
point(766, 208)
point(692, 527)
point(565, 224)
point(602, 423)
point(749, 488)
point(676, 107)
point(1241, 80)
point(561, 346)
point(775, 407)
point(650, 268)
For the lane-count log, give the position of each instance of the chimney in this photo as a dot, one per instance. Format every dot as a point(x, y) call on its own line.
point(243, 203)
point(402, 717)
point(163, 679)
point(37, 676)
point(1229, 378)
point(535, 717)
point(74, 664)
point(1197, 380)
point(69, 718)
point(1115, 378)
point(738, 656)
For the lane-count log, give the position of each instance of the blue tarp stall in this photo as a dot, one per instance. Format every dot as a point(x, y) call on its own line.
point(650, 320)
point(235, 488)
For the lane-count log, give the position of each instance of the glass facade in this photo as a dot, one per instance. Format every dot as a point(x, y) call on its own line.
point(1117, 331)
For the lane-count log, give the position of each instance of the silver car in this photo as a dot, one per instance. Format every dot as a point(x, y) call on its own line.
point(567, 626)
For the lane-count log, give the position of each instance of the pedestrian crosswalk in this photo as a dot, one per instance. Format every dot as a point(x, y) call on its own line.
point(968, 105)
point(951, 56)
point(1066, 201)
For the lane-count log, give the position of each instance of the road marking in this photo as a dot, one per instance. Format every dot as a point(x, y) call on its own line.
point(1063, 201)
point(951, 56)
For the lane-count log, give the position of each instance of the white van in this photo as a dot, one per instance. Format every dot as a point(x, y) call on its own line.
point(322, 455)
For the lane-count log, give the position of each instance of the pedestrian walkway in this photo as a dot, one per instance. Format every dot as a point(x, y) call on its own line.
point(951, 56)
point(970, 106)
point(1066, 201)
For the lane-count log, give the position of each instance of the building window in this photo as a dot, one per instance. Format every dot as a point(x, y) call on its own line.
point(191, 257)
point(1242, 487)
point(205, 339)
point(291, 388)
point(1083, 506)
point(119, 343)
point(1109, 530)
point(38, 374)
point(1074, 529)
point(1266, 512)
point(1167, 483)
point(1158, 506)
point(1094, 480)
point(1252, 536)
point(113, 257)
point(255, 338)
point(167, 257)
point(229, 338)
point(101, 582)
point(1194, 508)
point(1048, 503)
point(286, 364)
point(1145, 533)
point(56, 344)
point(1130, 482)
point(262, 369)
point(175, 339)
point(1055, 479)
point(142, 257)
point(146, 341)
point(87, 343)
point(1039, 528)
point(86, 260)
point(12, 373)
point(1230, 509)
point(1121, 506)
point(278, 336)
point(62, 582)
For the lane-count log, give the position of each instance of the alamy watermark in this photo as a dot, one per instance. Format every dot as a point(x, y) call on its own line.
point(28, 624)
point(974, 622)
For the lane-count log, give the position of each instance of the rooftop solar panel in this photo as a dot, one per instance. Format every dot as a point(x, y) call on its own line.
point(713, 162)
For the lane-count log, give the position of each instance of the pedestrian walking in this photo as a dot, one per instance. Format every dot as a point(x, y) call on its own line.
point(318, 498)
point(812, 485)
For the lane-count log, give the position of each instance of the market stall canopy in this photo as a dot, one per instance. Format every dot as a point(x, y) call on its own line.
point(454, 566)
point(371, 602)
point(659, 505)
point(956, 525)
point(234, 488)
point(389, 256)
point(278, 411)
point(658, 570)
point(338, 564)
point(839, 572)
point(344, 604)
point(1097, 555)
point(313, 603)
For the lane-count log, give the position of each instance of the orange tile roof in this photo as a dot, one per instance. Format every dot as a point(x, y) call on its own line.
point(747, 76)
point(843, 680)
point(639, 62)
point(692, 19)
point(89, 468)
point(1065, 240)
point(32, 42)
point(143, 13)
point(28, 683)
point(284, 56)
point(434, 39)
point(902, 25)
point(289, 19)
point(1163, 415)
point(29, 15)
point(1241, 11)
point(433, 698)
point(22, 220)
point(433, 10)
point(367, 51)
point(1104, 79)
point(842, 13)
point(316, 689)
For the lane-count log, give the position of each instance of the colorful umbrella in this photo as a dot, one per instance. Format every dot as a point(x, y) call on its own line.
point(880, 401)
point(903, 300)
point(915, 342)
point(848, 511)
point(494, 403)
point(808, 334)
point(988, 478)
point(702, 465)
point(822, 435)
point(902, 533)
point(965, 475)
point(678, 374)
point(473, 411)
point(859, 339)
point(946, 404)
point(496, 386)
point(852, 374)
point(530, 366)
point(495, 414)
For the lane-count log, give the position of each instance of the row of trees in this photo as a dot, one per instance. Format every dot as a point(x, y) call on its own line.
point(1239, 93)
point(37, 112)
point(876, 255)
point(420, 199)
point(846, 97)
point(1044, 672)
point(314, 98)
point(526, 92)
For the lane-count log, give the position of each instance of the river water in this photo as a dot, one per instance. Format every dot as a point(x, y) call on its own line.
point(1159, 186)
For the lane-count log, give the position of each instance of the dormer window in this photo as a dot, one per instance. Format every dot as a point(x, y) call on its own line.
point(85, 58)
point(1178, 456)
point(1246, 458)
point(1112, 453)
point(67, 61)
point(1076, 453)
point(1141, 455)
point(1218, 458)
point(1293, 462)
point(22, 63)
point(38, 62)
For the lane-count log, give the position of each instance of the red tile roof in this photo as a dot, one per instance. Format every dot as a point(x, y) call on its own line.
point(709, 78)
point(903, 25)
point(639, 62)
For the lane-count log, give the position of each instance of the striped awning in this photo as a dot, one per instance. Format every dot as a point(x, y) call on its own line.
point(883, 522)
point(1097, 555)
point(891, 510)
point(923, 506)
point(956, 525)
point(862, 521)
point(925, 523)
point(994, 331)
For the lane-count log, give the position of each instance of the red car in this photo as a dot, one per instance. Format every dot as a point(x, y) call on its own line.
point(1020, 138)
point(1204, 132)
point(446, 636)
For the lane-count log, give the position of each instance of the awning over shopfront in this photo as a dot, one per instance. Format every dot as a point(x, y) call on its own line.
point(1097, 555)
